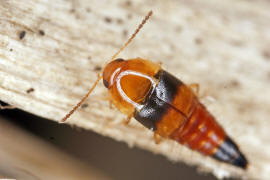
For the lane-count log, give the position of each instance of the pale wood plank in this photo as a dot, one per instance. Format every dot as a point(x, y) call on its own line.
point(223, 45)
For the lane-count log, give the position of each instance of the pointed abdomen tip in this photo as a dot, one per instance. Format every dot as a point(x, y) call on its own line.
point(229, 152)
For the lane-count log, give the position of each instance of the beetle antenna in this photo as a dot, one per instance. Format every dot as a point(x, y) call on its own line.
point(113, 57)
point(82, 100)
point(133, 35)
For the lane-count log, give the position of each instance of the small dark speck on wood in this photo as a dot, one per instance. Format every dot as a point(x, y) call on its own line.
point(125, 32)
point(84, 106)
point(235, 83)
point(88, 9)
point(129, 16)
point(97, 68)
point(119, 21)
point(179, 29)
point(41, 32)
point(22, 34)
point(266, 54)
point(107, 20)
point(198, 41)
point(128, 3)
point(30, 90)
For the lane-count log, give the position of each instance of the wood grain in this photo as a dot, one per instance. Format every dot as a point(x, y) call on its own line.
point(50, 53)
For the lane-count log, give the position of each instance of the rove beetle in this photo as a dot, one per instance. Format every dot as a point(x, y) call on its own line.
point(161, 102)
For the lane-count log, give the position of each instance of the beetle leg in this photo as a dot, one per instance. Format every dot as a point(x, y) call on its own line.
point(157, 138)
point(127, 120)
point(110, 104)
point(195, 87)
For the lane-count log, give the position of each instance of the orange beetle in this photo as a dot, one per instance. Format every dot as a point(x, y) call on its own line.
point(141, 89)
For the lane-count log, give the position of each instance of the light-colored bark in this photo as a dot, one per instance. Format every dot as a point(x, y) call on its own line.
point(223, 45)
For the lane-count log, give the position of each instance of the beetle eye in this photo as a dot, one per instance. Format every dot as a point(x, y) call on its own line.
point(119, 59)
point(106, 84)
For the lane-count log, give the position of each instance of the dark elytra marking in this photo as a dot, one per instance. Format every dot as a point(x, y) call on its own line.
point(22, 34)
point(167, 86)
point(158, 103)
point(152, 111)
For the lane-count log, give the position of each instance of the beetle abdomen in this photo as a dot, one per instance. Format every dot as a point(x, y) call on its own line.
point(173, 111)
point(202, 133)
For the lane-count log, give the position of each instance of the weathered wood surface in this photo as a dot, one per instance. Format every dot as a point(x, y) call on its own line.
point(223, 45)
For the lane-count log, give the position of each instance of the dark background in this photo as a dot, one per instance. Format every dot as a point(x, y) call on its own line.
point(114, 159)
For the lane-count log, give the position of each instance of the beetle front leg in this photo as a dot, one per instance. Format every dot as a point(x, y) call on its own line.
point(157, 138)
point(195, 88)
point(128, 119)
